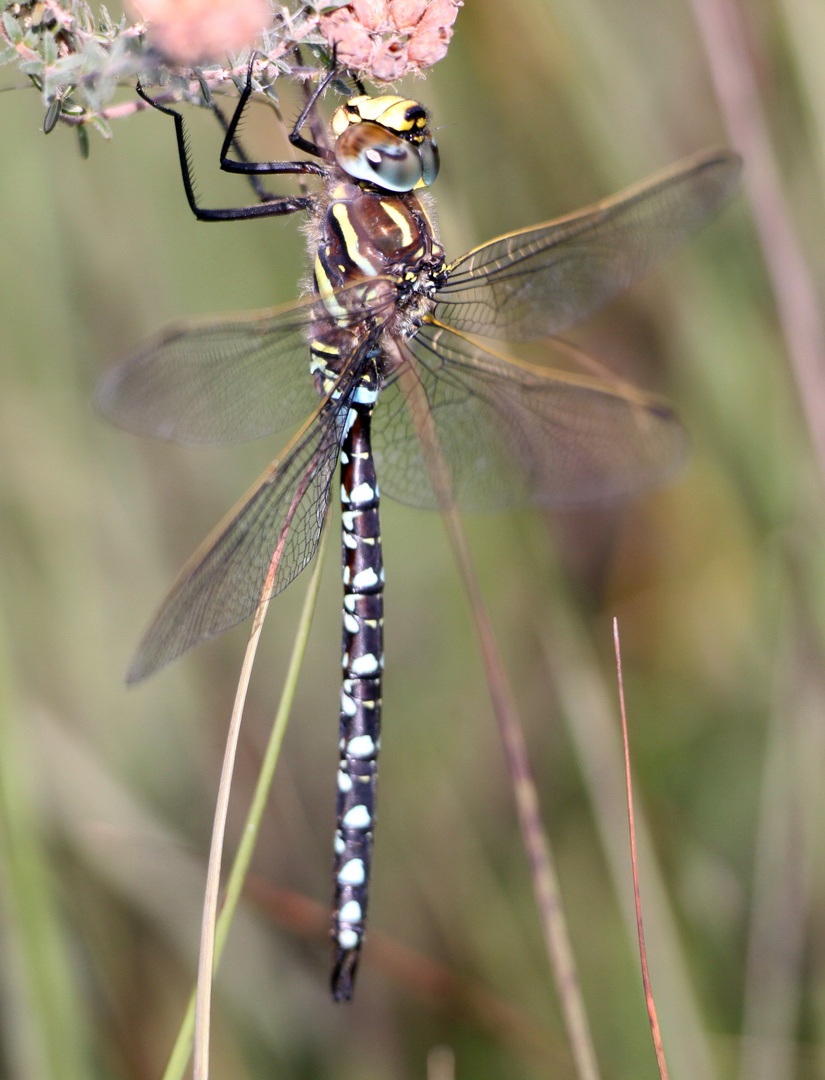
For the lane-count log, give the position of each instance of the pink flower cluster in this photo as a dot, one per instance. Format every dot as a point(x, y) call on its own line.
point(192, 31)
point(387, 39)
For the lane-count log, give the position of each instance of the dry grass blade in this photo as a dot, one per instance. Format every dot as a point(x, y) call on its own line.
point(793, 287)
point(649, 1002)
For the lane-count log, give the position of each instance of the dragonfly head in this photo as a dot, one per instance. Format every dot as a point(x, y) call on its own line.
point(385, 141)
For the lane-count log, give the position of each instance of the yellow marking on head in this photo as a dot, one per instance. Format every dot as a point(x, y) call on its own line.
point(346, 114)
point(395, 116)
point(374, 108)
point(388, 110)
point(353, 112)
point(351, 242)
point(355, 104)
point(401, 220)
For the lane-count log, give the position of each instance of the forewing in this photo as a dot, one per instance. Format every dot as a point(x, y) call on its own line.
point(537, 282)
point(510, 433)
point(223, 582)
point(226, 379)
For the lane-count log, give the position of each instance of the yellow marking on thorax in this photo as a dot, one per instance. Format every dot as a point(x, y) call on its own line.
point(401, 220)
point(325, 347)
point(351, 241)
point(326, 290)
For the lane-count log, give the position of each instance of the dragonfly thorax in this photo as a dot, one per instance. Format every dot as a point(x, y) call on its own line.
point(364, 234)
point(377, 264)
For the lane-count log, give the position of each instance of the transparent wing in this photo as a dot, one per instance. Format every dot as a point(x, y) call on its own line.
point(511, 433)
point(222, 583)
point(226, 379)
point(535, 283)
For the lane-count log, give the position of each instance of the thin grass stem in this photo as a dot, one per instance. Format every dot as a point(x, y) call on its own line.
point(535, 839)
point(586, 705)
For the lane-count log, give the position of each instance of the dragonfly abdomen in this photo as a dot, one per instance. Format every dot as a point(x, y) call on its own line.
point(362, 663)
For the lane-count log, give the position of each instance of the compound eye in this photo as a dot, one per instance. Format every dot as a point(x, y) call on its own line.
point(430, 161)
point(368, 151)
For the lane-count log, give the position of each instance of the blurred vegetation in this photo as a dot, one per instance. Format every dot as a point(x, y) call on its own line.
point(106, 794)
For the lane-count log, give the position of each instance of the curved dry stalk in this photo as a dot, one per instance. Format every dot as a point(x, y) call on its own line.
point(206, 960)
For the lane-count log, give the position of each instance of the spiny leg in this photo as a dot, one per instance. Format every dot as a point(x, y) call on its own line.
point(237, 146)
point(316, 128)
point(280, 204)
point(312, 146)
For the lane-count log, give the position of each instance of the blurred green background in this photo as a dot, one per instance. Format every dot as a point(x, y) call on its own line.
point(108, 792)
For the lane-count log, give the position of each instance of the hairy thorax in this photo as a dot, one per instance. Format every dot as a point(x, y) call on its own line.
point(377, 264)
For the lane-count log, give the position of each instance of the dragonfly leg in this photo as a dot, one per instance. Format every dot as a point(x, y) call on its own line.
point(279, 204)
point(254, 179)
point(311, 146)
point(308, 146)
point(269, 167)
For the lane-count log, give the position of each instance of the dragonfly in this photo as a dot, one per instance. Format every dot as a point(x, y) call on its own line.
point(384, 306)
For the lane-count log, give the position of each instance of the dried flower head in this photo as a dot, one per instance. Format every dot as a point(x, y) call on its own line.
point(387, 39)
point(189, 32)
